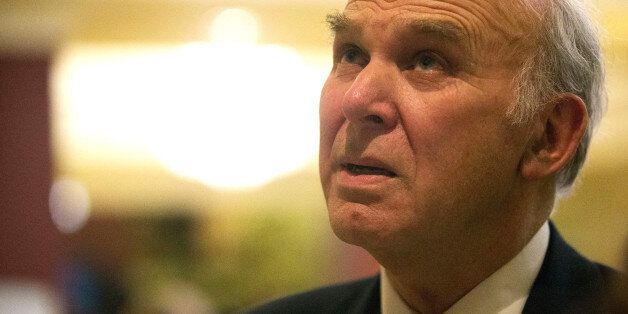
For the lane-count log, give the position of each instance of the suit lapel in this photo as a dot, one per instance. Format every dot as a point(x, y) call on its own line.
point(565, 279)
point(369, 301)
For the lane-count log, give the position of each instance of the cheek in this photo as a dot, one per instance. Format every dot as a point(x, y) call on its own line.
point(458, 141)
point(330, 111)
point(331, 121)
point(450, 151)
point(447, 128)
point(466, 166)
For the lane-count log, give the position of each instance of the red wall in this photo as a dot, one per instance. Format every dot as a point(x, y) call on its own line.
point(30, 246)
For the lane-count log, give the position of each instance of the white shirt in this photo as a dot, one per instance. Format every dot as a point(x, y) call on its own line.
point(504, 292)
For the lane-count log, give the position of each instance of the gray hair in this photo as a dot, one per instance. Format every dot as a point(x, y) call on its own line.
point(567, 59)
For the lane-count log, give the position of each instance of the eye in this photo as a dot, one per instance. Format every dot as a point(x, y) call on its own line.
point(427, 60)
point(353, 55)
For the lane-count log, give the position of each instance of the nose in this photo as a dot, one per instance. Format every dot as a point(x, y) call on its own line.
point(369, 102)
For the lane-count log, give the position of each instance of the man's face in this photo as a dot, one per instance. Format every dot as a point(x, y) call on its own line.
point(416, 146)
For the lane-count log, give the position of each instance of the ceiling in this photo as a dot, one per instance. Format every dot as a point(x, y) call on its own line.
point(35, 27)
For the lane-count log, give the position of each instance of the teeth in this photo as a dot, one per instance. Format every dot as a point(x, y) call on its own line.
point(367, 170)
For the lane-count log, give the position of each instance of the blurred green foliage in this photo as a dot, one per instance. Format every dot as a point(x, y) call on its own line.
point(234, 262)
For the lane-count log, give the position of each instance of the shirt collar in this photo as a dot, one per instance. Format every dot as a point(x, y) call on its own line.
point(505, 291)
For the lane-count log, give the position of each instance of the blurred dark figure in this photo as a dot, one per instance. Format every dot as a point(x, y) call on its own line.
point(92, 290)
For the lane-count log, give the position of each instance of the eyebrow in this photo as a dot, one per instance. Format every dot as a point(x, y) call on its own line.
point(443, 29)
point(339, 23)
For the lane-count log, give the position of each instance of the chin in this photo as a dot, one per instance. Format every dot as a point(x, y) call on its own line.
point(359, 224)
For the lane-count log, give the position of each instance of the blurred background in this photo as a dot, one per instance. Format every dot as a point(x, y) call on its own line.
point(161, 156)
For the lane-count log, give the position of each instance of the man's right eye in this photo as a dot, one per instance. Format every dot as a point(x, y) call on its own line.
point(353, 55)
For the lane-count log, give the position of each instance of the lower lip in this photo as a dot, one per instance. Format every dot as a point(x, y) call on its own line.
point(351, 180)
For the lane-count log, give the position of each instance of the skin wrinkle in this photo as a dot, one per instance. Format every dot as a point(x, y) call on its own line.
point(473, 30)
point(408, 8)
point(446, 136)
point(512, 32)
point(435, 29)
point(344, 19)
point(446, 30)
point(340, 23)
point(518, 19)
point(470, 191)
point(520, 44)
point(478, 10)
point(348, 23)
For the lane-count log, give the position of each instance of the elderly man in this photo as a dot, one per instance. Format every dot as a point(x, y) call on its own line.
point(448, 127)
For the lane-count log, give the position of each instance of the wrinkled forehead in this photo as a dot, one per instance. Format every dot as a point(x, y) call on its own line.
point(488, 7)
point(487, 20)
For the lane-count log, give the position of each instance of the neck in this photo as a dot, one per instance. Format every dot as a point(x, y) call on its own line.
point(434, 277)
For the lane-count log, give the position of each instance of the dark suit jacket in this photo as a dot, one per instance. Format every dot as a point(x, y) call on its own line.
point(567, 283)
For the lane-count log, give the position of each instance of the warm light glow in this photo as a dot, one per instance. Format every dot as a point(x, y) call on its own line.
point(234, 26)
point(245, 115)
point(27, 296)
point(231, 116)
point(69, 205)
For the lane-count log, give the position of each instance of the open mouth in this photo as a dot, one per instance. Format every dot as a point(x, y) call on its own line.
point(368, 170)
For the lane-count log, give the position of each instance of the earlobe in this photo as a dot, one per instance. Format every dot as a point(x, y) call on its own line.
point(558, 131)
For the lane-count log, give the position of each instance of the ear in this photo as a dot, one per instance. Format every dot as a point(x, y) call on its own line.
point(557, 134)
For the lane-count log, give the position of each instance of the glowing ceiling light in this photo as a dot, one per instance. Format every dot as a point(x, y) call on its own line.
point(234, 26)
point(244, 116)
point(231, 116)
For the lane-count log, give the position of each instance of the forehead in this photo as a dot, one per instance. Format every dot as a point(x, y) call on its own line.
point(487, 21)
